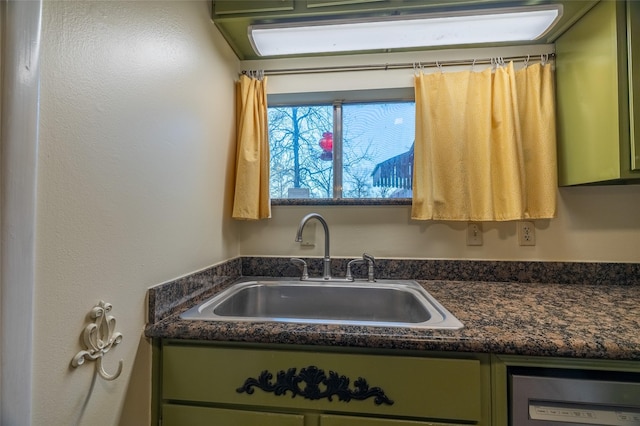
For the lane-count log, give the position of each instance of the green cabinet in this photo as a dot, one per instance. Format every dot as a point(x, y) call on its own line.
point(325, 3)
point(224, 384)
point(240, 384)
point(633, 48)
point(596, 70)
point(329, 420)
point(231, 7)
point(233, 17)
point(185, 415)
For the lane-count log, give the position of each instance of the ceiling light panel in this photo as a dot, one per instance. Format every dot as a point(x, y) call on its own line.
point(473, 27)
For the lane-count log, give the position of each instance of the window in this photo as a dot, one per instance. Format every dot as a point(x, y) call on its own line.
point(342, 150)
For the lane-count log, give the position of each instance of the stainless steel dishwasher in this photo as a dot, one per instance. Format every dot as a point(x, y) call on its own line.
point(539, 397)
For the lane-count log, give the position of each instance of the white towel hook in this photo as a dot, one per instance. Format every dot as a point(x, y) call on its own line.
point(99, 337)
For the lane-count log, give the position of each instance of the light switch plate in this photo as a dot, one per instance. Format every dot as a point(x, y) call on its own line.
point(474, 234)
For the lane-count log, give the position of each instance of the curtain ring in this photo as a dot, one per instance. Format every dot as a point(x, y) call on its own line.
point(473, 66)
point(543, 59)
point(526, 61)
point(439, 65)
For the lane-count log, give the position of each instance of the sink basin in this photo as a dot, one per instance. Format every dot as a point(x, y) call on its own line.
point(383, 303)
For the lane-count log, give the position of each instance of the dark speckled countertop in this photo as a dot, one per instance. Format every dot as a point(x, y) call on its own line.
point(524, 318)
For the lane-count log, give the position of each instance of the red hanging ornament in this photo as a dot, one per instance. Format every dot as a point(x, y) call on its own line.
point(326, 143)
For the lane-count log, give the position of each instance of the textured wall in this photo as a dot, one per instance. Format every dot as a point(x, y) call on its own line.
point(594, 224)
point(135, 138)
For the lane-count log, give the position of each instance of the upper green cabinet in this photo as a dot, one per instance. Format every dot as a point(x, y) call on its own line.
point(597, 87)
point(228, 7)
point(323, 3)
point(633, 45)
point(233, 17)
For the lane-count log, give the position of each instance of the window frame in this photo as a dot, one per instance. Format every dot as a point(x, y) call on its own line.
point(337, 100)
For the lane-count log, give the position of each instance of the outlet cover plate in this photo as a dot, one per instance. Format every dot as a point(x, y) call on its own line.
point(526, 233)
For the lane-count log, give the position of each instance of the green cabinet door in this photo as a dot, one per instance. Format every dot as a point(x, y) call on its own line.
point(325, 3)
point(233, 7)
point(633, 46)
point(372, 385)
point(592, 77)
point(182, 415)
point(328, 420)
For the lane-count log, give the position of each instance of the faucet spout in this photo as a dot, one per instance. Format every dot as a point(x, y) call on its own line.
point(326, 262)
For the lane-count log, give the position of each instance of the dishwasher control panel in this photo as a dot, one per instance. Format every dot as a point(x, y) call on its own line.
point(577, 414)
point(568, 401)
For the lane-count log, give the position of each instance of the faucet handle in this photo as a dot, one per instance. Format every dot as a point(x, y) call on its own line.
point(371, 261)
point(305, 270)
point(349, 276)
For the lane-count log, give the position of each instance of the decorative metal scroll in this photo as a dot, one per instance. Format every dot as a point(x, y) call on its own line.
point(312, 383)
point(99, 337)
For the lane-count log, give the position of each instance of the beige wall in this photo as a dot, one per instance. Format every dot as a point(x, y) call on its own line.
point(135, 136)
point(593, 224)
point(599, 224)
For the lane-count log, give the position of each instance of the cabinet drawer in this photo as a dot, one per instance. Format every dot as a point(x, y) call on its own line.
point(180, 415)
point(433, 388)
point(230, 7)
point(325, 3)
point(364, 421)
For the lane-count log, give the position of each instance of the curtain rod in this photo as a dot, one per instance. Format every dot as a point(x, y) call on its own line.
point(408, 65)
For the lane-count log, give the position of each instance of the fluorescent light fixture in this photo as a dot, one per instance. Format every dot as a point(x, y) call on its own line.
point(397, 32)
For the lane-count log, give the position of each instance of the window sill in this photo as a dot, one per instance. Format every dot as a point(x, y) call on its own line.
point(341, 202)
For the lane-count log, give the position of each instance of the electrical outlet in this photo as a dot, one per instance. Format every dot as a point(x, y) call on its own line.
point(526, 233)
point(474, 234)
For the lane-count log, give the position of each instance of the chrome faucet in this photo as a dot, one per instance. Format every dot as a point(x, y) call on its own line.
point(326, 262)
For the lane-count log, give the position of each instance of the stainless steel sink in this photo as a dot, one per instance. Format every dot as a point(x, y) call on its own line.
point(383, 303)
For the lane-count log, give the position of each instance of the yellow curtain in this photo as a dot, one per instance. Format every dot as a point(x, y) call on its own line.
point(485, 145)
point(251, 198)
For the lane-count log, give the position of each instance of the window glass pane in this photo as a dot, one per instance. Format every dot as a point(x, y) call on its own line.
point(378, 149)
point(300, 166)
